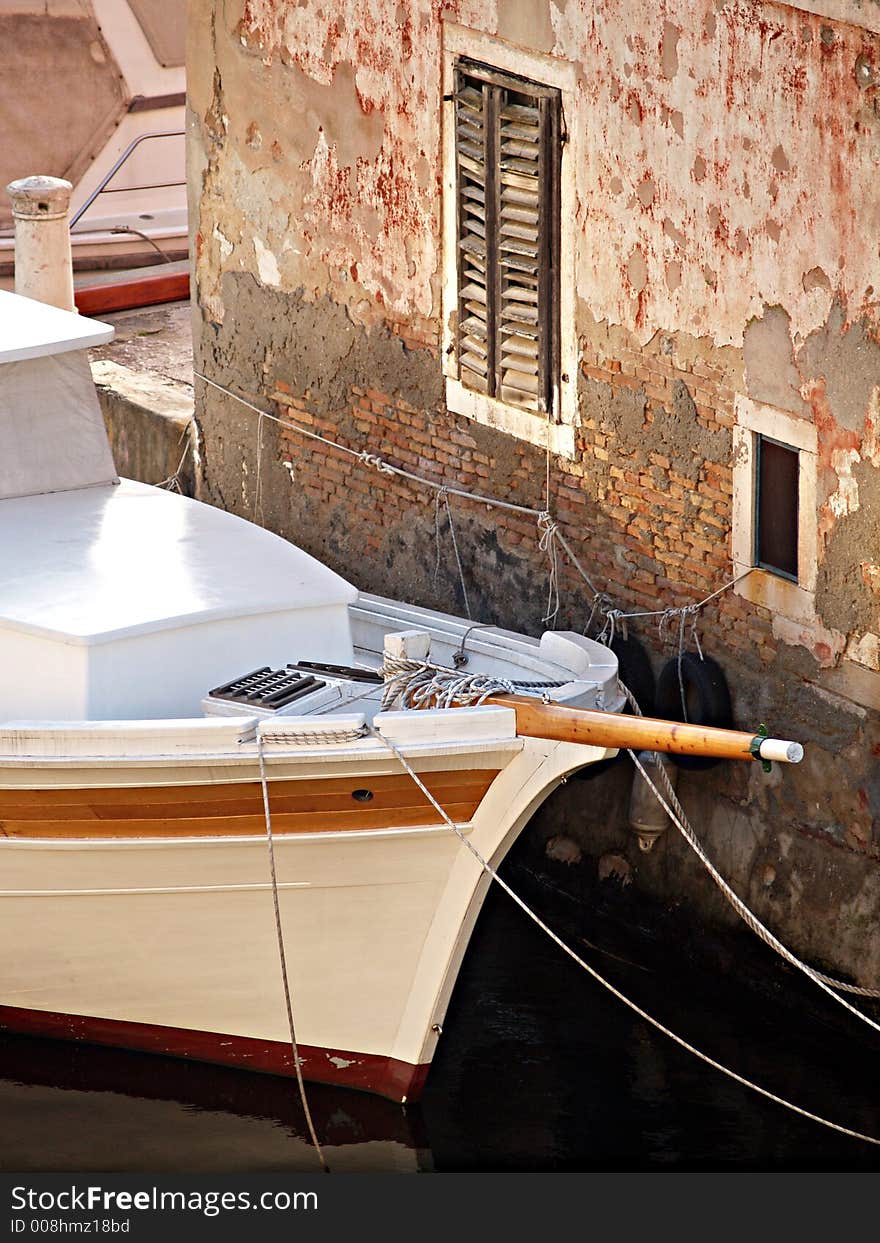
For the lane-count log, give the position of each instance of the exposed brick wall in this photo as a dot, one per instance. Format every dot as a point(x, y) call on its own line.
point(650, 536)
point(652, 530)
point(697, 280)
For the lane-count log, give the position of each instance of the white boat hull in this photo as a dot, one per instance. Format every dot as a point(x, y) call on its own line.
point(169, 943)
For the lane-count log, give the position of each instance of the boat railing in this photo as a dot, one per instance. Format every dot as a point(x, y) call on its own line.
point(104, 183)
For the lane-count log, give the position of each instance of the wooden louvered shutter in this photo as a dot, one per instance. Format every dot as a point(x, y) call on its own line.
point(507, 151)
point(473, 108)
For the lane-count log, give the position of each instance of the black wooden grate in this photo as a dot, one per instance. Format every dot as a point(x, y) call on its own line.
point(268, 688)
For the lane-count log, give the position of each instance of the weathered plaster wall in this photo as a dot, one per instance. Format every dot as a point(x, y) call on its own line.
point(703, 194)
point(329, 131)
point(727, 147)
point(725, 239)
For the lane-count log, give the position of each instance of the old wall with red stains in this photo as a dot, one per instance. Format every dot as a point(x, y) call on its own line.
point(725, 233)
point(726, 152)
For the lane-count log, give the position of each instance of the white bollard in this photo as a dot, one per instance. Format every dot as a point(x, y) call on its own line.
point(43, 263)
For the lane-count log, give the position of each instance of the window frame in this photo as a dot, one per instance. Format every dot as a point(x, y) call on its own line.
point(771, 588)
point(553, 429)
point(760, 440)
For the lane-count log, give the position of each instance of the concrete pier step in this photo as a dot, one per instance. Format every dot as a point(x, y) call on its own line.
point(144, 379)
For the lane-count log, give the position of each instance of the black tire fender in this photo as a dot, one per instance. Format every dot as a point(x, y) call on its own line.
point(707, 696)
point(635, 671)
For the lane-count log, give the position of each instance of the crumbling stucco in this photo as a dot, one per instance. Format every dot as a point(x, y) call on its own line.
point(314, 346)
point(722, 247)
point(846, 354)
point(847, 585)
point(666, 98)
point(332, 122)
point(768, 354)
point(674, 430)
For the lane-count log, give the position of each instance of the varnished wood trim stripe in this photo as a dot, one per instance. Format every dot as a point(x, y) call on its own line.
point(367, 1072)
point(251, 805)
point(217, 791)
point(236, 826)
point(297, 807)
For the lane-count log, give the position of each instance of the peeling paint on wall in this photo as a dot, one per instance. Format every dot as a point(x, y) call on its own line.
point(704, 205)
point(725, 237)
point(348, 103)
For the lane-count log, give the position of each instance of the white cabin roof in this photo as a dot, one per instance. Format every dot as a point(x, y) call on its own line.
point(96, 564)
point(30, 329)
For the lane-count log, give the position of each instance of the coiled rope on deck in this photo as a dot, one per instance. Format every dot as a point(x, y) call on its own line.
point(308, 736)
point(420, 684)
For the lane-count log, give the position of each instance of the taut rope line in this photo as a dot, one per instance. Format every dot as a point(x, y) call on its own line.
point(297, 1062)
point(547, 544)
point(679, 1040)
point(677, 815)
point(418, 684)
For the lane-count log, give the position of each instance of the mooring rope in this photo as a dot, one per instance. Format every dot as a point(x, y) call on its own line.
point(600, 979)
point(548, 529)
point(442, 497)
point(258, 485)
point(419, 684)
point(172, 483)
point(549, 532)
point(297, 1061)
point(676, 814)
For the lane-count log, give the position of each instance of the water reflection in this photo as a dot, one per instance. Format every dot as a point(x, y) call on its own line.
point(65, 1107)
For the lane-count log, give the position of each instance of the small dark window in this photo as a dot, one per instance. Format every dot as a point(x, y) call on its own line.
point(508, 149)
point(776, 508)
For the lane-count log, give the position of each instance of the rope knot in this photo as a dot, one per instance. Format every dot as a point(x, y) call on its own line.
point(377, 463)
point(547, 526)
point(615, 619)
point(601, 604)
point(667, 616)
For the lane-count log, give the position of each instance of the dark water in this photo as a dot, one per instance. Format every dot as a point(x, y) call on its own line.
point(539, 1068)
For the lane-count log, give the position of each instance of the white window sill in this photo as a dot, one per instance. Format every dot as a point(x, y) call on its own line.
point(537, 429)
point(781, 596)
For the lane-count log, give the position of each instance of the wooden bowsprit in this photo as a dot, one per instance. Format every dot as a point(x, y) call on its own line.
point(556, 722)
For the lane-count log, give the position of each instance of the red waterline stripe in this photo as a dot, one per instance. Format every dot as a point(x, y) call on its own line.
point(366, 1072)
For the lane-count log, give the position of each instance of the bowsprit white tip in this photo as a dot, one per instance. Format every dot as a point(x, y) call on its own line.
point(781, 751)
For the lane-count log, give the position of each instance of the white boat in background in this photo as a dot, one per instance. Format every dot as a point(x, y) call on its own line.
point(98, 98)
point(158, 656)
